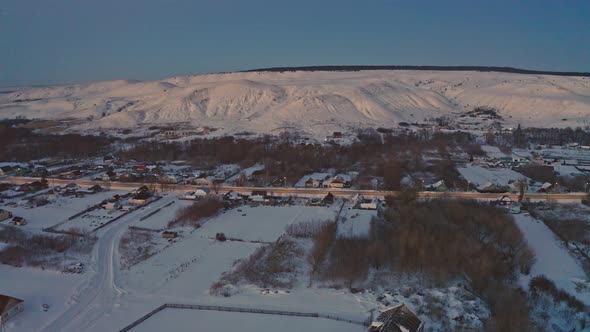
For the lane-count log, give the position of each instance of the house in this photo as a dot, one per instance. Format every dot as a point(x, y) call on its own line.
point(314, 202)
point(337, 134)
point(549, 188)
point(202, 181)
point(489, 187)
point(194, 195)
point(504, 201)
point(9, 307)
point(4, 214)
point(169, 179)
point(259, 196)
point(94, 189)
point(19, 221)
point(437, 186)
point(368, 204)
point(109, 176)
point(5, 170)
point(397, 319)
point(70, 189)
point(169, 235)
point(328, 199)
point(112, 206)
point(232, 196)
point(39, 172)
point(339, 181)
point(127, 177)
point(108, 159)
point(71, 175)
point(33, 186)
point(313, 183)
point(141, 198)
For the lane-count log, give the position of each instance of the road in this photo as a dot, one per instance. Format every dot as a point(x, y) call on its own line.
point(313, 192)
point(103, 287)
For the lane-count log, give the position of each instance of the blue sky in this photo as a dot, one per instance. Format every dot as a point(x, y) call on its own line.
point(66, 41)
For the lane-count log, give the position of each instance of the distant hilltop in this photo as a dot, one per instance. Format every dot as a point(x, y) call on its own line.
point(430, 68)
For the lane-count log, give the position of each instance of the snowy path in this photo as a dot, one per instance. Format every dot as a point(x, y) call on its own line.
point(90, 304)
point(553, 260)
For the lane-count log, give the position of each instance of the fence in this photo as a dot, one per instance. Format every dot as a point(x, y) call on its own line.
point(243, 310)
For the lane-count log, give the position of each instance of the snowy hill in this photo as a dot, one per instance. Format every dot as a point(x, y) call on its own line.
point(315, 102)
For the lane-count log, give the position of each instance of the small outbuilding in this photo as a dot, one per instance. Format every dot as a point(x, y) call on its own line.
point(19, 221)
point(4, 214)
point(397, 319)
point(10, 307)
point(169, 235)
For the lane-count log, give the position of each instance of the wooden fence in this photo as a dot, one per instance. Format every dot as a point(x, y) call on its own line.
point(242, 310)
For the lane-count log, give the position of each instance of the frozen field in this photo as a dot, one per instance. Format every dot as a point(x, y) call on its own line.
point(478, 175)
point(38, 287)
point(194, 320)
point(355, 223)
point(264, 223)
point(59, 209)
point(553, 260)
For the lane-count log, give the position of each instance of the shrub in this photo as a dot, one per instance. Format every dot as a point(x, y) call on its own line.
point(193, 215)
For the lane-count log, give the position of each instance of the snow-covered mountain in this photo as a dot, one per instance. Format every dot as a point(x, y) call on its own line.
point(316, 102)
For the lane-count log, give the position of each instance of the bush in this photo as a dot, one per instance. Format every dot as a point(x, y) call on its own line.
point(540, 284)
point(193, 215)
point(274, 265)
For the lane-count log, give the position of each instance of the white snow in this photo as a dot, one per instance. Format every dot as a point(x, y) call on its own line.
point(553, 260)
point(187, 320)
point(478, 175)
point(317, 103)
point(264, 223)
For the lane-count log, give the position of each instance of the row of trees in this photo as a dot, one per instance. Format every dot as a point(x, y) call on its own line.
point(441, 240)
point(23, 144)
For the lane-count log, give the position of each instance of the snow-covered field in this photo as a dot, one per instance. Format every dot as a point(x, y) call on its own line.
point(316, 103)
point(477, 175)
point(264, 223)
point(192, 320)
point(553, 260)
point(59, 209)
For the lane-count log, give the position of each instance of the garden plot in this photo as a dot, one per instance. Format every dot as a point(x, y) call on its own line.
point(354, 223)
point(264, 223)
point(159, 220)
point(553, 260)
point(187, 320)
point(478, 175)
point(59, 209)
point(90, 220)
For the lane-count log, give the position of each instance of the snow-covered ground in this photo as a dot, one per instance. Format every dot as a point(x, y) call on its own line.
point(316, 103)
point(38, 287)
point(264, 223)
point(188, 320)
point(355, 223)
point(477, 175)
point(553, 260)
point(59, 209)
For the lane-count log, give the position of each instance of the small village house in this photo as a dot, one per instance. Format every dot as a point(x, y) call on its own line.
point(169, 235)
point(339, 181)
point(5, 170)
point(109, 176)
point(5, 214)
point(141, 198)
point(328, 199)
point(397, 319)
point(10, 307)
point(19, 221)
